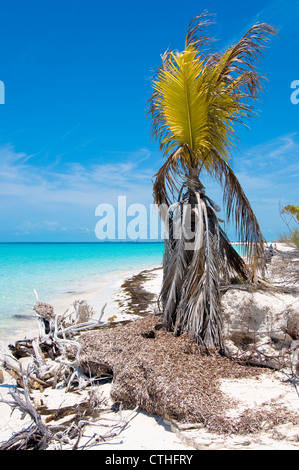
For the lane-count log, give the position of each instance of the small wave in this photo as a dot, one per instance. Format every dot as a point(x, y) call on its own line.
point(23, 316)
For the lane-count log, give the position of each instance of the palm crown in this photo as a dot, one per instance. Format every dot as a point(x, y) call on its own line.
point(197, 98)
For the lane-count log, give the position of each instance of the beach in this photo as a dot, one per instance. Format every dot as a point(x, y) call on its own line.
point(149, 235)
point(60, 273)
point(105, 292)
point(147, 431)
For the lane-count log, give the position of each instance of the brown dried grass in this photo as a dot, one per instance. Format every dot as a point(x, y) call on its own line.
point(169, 376)
point(139, 301)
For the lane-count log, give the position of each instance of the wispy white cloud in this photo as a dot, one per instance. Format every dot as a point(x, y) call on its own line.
point(20, 177)
point(269, 175)
point(63, 198)
point(272, 159)
point(28, 227)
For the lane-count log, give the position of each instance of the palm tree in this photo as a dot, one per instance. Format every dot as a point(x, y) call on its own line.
point(197, 98)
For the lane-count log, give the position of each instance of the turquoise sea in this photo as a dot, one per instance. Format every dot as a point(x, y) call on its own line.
point(55, 269)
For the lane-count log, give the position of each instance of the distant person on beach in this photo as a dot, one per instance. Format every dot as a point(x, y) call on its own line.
point(271, 250)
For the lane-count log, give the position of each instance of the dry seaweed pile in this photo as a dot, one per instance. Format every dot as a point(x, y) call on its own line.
point(139, 301)
point(169, 376)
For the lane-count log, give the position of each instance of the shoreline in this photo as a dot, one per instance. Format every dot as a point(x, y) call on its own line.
point(105, 290)
point(95, 292)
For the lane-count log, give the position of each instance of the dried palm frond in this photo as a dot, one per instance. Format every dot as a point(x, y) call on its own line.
point(190, 296)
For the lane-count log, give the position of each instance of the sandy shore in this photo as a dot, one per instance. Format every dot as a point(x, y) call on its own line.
point(146, 432)
point(107, 290)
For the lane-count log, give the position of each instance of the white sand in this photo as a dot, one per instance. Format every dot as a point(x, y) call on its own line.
point(144, 431)
point(147, 432)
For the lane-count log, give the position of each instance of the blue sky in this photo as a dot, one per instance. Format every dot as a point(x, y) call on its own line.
point(73, 131)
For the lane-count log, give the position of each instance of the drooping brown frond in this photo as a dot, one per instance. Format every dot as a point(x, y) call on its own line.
point(175, 265)
point(244, 55)
point(170, 180)
point(195, 306)
point(231, 259)
point(239, 210)
point(195, 32)
point(237, 65)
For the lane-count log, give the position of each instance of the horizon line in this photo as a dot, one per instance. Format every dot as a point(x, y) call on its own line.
point(90, 243)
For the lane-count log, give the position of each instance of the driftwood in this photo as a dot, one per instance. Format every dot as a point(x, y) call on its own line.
point(56, 334)
point(35, 436)
point(50, 366)
point(14, 368)
point(39, 435)
point(50, 323)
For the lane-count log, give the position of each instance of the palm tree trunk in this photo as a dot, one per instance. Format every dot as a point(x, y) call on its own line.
point(190, 294)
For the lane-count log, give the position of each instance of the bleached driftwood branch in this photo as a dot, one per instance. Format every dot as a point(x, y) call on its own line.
point(56, 336)
point(39, 435)
point(13, 367)
point(48, 321)
point(60, 331)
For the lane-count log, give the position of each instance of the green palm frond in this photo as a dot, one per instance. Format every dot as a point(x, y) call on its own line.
point(197, 98)
point(292, 210)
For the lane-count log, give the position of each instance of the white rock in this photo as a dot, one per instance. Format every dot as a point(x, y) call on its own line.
point(254, 325)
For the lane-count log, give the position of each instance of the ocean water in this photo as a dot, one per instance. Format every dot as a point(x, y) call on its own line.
point(56, 269)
